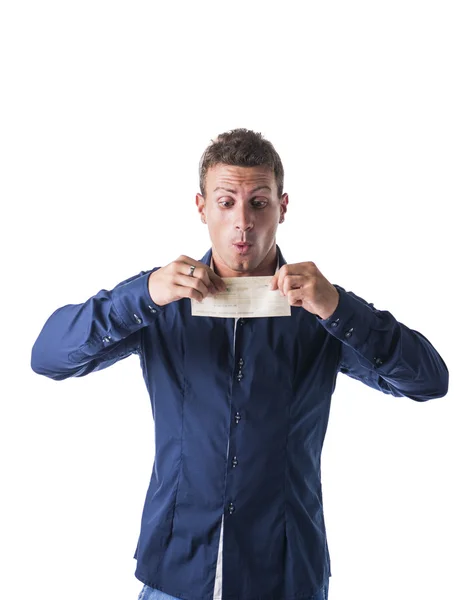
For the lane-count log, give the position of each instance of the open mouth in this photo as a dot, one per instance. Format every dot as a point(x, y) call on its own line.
point(242, 248)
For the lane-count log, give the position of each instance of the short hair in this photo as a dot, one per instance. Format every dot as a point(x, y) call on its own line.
point(241, 148)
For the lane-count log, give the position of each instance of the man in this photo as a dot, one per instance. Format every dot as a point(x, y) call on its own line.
point(234, 505)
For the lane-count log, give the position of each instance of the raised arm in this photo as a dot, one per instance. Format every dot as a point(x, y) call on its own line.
point(80, 338)
point(383, 353)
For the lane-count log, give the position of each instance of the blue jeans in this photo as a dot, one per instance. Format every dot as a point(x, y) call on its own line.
point(149, 593)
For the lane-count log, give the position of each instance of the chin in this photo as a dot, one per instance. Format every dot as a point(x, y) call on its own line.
point(240, 265)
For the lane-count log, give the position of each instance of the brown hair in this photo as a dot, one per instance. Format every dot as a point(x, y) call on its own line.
point(241, 148)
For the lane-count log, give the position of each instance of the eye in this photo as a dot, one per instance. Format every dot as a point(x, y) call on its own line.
point(223, 202)
point(259, 203)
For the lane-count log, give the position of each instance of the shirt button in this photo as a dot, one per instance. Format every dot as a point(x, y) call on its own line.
point(349, 333)
point(242, 321)
point(235, 461)
point(137, 319)
point(237, 417)
point(231, 508)
point(239, 376)
point(377, 361)
point(106, 339)
point(241, 362)
point(335, 323)
point(152, 310)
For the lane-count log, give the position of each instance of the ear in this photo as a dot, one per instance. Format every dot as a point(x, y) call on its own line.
point(201, 204)
point(283, 206)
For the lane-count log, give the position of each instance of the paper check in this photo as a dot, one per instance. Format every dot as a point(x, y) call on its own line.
point(244, 297)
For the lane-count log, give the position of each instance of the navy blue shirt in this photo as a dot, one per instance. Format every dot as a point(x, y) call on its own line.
point(240, 417)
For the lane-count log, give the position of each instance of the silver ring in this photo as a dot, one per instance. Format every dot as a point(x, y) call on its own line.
point(192, 270)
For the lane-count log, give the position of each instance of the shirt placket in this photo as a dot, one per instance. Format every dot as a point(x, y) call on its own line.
point(236, 417)
point(218, 584)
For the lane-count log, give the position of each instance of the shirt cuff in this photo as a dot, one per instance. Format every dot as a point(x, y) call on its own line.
point(133, 302)
point(352, 322)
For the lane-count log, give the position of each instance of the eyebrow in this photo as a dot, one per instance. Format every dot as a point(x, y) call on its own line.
point(261, 187)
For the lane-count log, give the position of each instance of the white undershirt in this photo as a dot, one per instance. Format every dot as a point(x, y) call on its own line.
point(218, 582)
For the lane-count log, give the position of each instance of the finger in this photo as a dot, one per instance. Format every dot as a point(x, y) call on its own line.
point(277, 279)
point(184, 268)
point(212, 281)
point(217, 280)
point(202, 271)
point(292, 282)
point(184, 263)
point(182, 291)
point(191, 282)
point(274, 281)
point(282, 273)
point(294, 269)
point(295, 297)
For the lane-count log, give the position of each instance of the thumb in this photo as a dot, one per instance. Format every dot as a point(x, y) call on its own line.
point(274, 280)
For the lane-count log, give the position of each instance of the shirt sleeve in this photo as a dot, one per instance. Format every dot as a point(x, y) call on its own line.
point(80, 338)
point(383, 353)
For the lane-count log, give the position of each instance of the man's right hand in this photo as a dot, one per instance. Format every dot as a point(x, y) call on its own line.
point(174, 281)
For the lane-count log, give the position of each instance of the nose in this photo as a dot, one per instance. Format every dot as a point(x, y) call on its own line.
point(243, 221)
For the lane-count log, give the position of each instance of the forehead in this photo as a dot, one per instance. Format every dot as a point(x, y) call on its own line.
point(239, 177)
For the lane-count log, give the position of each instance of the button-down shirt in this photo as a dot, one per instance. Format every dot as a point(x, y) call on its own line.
point(218, 582)
point(240, 418)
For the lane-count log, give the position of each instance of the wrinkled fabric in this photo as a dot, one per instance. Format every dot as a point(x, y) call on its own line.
point(240, 422)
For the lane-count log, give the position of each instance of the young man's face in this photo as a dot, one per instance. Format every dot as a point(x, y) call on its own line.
point(242, 211)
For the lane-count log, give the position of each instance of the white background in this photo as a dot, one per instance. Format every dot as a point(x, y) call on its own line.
point(106, 108)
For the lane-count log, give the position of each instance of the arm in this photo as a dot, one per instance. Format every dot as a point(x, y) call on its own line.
point(383, 353)
point(80, 338)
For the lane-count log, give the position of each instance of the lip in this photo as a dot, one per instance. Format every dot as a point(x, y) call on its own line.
point(242, 247)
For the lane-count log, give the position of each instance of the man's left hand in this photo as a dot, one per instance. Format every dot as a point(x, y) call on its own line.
point(305, 286)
